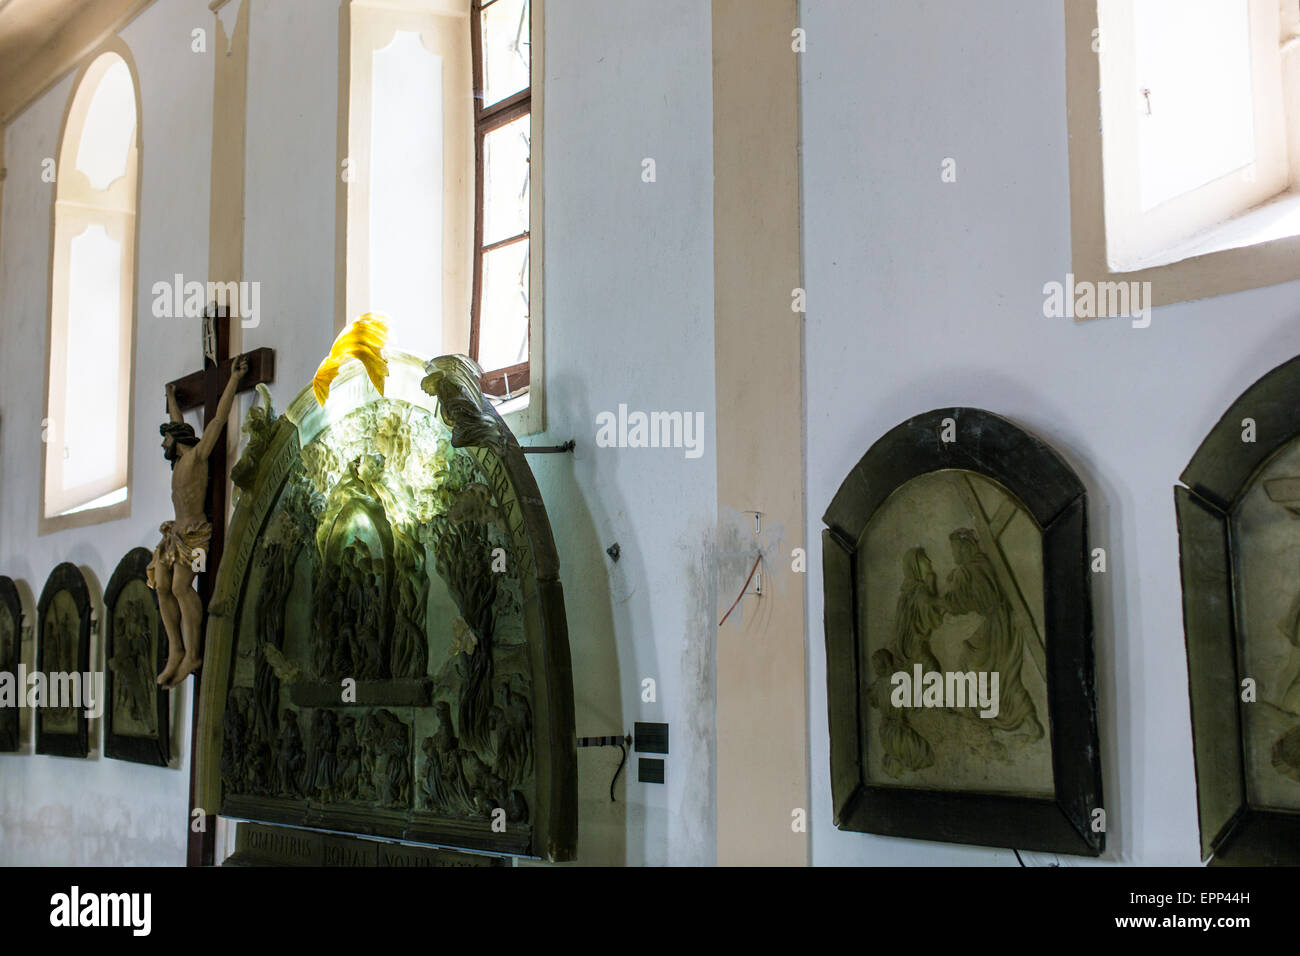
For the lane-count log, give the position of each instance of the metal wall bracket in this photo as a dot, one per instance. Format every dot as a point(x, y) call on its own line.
point(568, 446)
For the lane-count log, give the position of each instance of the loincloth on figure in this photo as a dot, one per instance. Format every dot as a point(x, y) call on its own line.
point(179, 544)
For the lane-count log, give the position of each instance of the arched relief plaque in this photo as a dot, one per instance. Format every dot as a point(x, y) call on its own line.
point(136, 725)
point(1239, 543)
point(63, 659)
point(960, 680)
point(11, 653)
point(387, 652)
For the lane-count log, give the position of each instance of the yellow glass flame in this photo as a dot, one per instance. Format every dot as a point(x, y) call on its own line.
point(364, 341)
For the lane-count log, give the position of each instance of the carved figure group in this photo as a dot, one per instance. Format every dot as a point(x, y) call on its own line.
point(350, 758)
point(349, 638)
point(997, 645)
point(461, 781)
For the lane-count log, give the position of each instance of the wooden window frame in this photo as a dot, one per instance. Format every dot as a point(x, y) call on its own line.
point(503, 382)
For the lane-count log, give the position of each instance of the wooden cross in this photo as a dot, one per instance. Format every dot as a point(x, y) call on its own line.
point(989, 531)
point(203, 390)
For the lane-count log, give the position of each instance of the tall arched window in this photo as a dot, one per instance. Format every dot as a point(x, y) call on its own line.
point(92, 297)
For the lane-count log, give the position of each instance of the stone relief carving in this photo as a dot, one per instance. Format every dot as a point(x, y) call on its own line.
point(133, 671)
point(379, 509)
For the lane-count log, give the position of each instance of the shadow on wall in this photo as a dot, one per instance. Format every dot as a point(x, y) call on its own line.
point(597, 687)
point(1107, 506)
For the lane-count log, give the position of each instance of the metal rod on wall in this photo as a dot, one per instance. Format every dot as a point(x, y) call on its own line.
point(549, 449)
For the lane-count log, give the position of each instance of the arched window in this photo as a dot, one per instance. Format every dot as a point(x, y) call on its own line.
point(92, 297)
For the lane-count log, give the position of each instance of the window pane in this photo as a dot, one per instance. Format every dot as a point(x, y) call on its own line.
point(110, 127)
point(505, 181)
point(90, 433)
point(505, 49)
point(1194, 75)
point(406, 190)
point(503, 329)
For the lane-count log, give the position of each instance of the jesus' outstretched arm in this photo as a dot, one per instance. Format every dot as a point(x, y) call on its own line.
point(173, 408)
point(214, 430)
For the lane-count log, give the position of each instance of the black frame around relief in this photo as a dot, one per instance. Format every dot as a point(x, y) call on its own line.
point(1050, 491)
point(65, 577)
point(1220, 473)
point(149, 750)
point(11, 721)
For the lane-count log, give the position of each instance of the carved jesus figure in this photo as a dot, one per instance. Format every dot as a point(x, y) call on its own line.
point(184, 544)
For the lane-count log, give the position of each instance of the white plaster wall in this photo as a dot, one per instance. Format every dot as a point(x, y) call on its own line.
point(923, 294)
point(56, 810)
point(289, 171)
point(629, 319)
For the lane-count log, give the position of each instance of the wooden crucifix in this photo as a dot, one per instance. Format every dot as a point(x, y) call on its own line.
point(204, 389)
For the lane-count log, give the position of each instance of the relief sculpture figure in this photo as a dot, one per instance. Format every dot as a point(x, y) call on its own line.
point(325, 763)
point(130, 664)
point(998, 644)
point(1289, 681)
point(290, 758)
point(918, 613)
point(904, 748)
point(1286, 749)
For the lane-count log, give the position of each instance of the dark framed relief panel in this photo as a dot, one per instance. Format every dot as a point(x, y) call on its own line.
point(387, 653)
point(63, 648)
point(1239, 544)
point(11, 653)
point(957, 547)
point(135, 651)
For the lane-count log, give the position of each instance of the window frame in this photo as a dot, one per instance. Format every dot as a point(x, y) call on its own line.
point(502, 382)
point(125, 191)
point(1148, 234)
point(1200, 275)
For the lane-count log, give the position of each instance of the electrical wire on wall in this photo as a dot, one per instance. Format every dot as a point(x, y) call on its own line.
point(743, 590)
point(622, 742)
point(758, 560)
